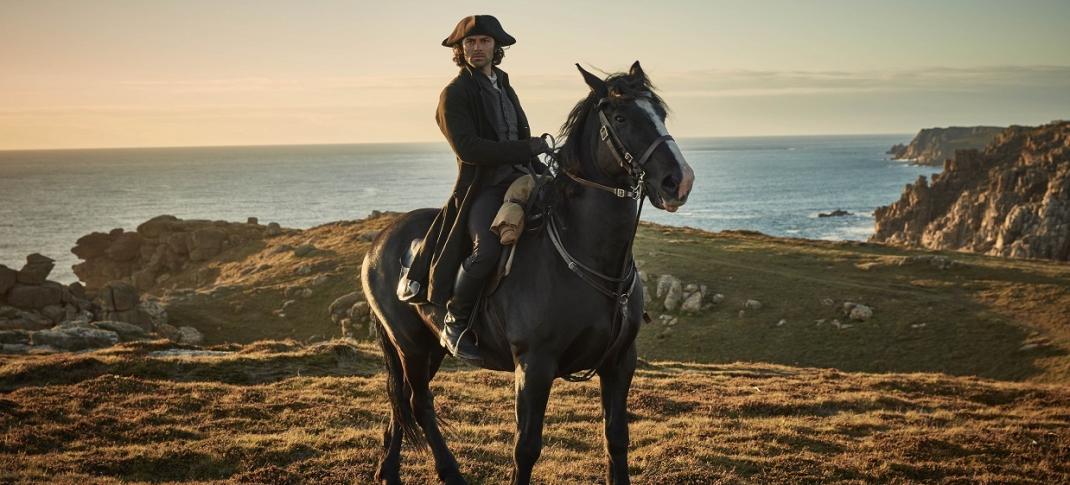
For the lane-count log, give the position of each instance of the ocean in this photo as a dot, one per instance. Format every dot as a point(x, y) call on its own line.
point(776, 185)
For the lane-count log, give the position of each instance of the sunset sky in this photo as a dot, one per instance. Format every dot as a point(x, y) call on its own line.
point(109, 73)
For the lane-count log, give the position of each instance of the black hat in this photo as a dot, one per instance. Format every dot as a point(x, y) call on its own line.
point(479, 25)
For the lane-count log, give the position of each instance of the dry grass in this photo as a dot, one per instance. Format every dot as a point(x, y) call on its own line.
point(280, 412)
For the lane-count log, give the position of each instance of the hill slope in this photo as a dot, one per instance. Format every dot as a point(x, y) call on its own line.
point(280, 412)
point(949, 312)
point(955, 313)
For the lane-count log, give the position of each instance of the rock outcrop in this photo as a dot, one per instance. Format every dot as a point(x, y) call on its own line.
point(932, 146)
point(1012, 199)
point(40, 315)
point(160, 247)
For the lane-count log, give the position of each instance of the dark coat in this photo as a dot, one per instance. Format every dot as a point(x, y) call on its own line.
point(465, 120)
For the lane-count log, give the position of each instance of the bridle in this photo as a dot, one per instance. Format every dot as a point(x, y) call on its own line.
point(624, 284)
point(636, 168)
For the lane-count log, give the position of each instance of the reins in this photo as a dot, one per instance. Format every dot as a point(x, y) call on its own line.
point(625, 283)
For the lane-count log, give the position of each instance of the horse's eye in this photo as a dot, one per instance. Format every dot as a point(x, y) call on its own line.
point(620, 119)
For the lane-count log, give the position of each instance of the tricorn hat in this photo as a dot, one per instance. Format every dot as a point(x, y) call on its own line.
point(479, 25)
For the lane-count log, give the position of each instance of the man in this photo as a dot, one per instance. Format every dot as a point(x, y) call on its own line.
point(481, 118)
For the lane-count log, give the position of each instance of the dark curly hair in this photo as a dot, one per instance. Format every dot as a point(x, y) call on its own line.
point(458, 55)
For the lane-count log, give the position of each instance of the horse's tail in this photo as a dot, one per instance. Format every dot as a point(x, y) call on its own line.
point(400, 406)
point(397, 389)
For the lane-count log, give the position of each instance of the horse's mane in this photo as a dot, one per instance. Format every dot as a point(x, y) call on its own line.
point(621, 86)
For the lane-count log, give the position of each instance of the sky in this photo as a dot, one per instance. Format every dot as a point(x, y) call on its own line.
point(124, 73)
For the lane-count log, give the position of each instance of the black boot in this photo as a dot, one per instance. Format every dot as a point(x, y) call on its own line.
point(456, 337)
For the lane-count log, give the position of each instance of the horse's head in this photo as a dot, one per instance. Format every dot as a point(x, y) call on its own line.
point(632, 143)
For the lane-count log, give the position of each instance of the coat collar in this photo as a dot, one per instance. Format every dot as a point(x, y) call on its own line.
point(503, 77)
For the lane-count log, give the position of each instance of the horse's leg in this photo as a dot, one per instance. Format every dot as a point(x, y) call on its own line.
point(534, 377)
point(419, 369)
point(615, 381)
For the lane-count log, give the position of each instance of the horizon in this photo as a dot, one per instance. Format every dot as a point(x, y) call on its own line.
point(442, 142)
point(192, 74)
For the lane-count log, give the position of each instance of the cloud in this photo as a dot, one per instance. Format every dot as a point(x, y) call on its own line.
point(712, 83)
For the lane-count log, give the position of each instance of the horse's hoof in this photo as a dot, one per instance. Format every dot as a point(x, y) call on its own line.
point(454, 480)
point(394, 480)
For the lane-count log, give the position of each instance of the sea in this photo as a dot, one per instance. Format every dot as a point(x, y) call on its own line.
point(775, 185)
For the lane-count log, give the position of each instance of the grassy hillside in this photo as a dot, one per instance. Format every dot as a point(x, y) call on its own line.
point(280, 412)
point(984, 316)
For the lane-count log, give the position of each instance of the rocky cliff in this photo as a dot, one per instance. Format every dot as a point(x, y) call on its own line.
point(159, 248)
point(932, 146)
point(1012, 199)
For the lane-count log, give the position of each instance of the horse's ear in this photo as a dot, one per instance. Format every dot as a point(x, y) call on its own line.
point(636, 71)
point(597, 85)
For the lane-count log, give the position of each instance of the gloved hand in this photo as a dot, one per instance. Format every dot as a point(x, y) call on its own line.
point(539, 145)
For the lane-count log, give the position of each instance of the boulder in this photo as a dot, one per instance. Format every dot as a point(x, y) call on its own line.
point(672, 289)
point(55, 313)
point(835, 213)
point(75, 338)
point(8, 277)
point(693, 302)
point(179, 242)
point(157, 226)
point(252, 220)
point(36, 269)
point(752, 305)
point(189, 336)
point(125, 331)
point(118, 296)
point(77, 290)
point(92, 245)
point(281, 248)
point(304, 250)
point(273, 229)
point(666, 281)
point(26, 321)
point(345, 302)
point(14, 337)
point(80, 318)
point(360, 312)
point(155, 312)
point(206, 243)
point(168, 331)
point(126, 247)
point(860, 313)
point(34, 296)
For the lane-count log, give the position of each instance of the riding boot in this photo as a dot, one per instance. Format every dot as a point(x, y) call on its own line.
point(456, 337)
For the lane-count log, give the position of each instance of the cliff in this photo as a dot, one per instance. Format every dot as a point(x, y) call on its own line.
point(932, 146)
point(1012, 199)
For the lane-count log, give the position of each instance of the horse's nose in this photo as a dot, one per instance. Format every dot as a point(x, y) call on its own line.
point(670, 183)
point(687, 182)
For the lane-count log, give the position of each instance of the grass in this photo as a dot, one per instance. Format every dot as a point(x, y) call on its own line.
point(283, 412)
point(980, 318)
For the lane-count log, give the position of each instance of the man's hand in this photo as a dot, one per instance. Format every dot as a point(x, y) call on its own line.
point(539, 146)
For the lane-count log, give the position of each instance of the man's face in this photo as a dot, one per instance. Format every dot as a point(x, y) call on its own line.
point(478, 50)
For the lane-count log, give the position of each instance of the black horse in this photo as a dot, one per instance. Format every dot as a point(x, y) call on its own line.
point(562, 309)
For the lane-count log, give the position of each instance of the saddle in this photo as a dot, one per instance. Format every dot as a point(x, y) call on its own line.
point(510, 224)
point(513, 222)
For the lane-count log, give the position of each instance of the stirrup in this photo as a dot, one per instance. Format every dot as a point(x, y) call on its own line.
point(468, 353)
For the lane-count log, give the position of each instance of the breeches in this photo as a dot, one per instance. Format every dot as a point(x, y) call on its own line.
point(486, 246)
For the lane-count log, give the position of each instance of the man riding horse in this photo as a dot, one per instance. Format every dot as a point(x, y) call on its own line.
point(481, 118)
